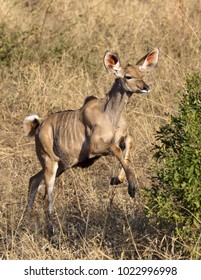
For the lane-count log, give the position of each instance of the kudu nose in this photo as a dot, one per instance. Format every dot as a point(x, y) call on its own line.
point(146, 88)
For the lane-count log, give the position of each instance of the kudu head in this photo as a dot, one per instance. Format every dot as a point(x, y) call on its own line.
point(131, 76)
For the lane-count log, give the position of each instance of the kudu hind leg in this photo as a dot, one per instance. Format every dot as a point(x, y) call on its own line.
point(125, 146)
point(34, 183)
point(129, 174)
point(50, 175)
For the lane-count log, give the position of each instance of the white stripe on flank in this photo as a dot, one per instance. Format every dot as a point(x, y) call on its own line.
point(75, 128)
point(66, 132)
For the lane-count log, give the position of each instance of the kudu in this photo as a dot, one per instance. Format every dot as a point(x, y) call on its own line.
point(79, 137)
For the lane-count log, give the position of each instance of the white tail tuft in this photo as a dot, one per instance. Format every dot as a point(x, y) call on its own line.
point(32, 118)
point(30, 124)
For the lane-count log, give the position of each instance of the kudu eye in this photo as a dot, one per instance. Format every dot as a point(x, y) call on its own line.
point(128, 77)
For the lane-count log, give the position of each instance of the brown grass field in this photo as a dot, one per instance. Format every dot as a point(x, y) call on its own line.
point(54, 62)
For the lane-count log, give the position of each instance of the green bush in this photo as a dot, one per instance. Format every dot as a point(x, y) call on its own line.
point(13, 45)
point(175, 197)
point(29, 46)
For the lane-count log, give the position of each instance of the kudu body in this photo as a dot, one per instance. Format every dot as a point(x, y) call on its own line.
point(78, 137)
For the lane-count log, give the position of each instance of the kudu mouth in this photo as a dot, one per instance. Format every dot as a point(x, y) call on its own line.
point(144, 90)
point(139, 91)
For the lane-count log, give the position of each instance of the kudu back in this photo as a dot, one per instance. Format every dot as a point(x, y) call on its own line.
point(79, 137)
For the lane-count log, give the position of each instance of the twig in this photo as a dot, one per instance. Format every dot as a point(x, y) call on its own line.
point(45, 17)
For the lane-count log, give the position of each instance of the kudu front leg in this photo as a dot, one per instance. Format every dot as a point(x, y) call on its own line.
point(125, 145)
point(129, 174)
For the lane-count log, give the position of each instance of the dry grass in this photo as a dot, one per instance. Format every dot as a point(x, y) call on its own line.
point(93, 219)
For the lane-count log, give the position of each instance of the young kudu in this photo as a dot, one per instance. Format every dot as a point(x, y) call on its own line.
point(79, 137)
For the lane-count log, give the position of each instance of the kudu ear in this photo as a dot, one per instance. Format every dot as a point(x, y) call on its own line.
point(111, 62)
point(149, 61)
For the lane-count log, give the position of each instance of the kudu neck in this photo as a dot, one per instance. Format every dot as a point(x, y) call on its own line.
point(116, 100)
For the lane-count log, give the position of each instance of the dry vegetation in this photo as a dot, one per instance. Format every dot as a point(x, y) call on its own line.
point(53, 63)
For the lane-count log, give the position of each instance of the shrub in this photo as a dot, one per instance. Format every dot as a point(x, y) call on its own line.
point(13, 44)
point(174, 199)
point(29, 46)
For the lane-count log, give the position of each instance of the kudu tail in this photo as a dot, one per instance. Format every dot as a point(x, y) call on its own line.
point(30, 125)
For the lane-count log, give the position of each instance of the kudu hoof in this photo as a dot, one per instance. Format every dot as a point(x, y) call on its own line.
point(131, 190)
point(115, 181)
